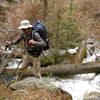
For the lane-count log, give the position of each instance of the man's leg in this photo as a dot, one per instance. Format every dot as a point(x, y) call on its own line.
point(36, 67)
point(25, 61)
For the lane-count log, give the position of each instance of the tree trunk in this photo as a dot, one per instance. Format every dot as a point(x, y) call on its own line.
point(45, 8)
point(81, 53)
point(65, 69)
point(72, 69)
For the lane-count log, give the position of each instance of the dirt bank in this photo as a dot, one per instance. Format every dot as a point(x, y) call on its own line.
point(37, 94)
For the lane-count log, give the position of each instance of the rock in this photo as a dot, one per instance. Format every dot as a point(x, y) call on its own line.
point(92, 96)
point(32, 83)
point(21, 91)
point(18, 53)
point(32, 88)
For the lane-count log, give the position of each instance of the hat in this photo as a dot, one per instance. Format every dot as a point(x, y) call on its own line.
point(24, 24)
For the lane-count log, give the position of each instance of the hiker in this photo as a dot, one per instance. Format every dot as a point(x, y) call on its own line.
point(33, 45)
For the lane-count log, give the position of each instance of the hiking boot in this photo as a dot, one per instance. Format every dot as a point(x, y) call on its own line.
point(38, 76)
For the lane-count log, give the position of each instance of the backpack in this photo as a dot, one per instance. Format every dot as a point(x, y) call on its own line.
point(41, 29)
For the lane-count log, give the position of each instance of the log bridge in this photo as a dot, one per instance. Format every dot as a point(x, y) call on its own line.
point(64, 69)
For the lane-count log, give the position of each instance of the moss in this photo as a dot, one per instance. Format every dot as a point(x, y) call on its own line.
point(93, 95)
point(12, 81)
point(2, 8)
point(76, 58)
point(11, 1)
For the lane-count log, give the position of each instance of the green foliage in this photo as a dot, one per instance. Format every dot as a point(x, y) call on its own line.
point(11, 1)
point(49, 75)
point(64, 30)
point(3, 98)
point(70, 25)
point(47, 61)
point(56, 58)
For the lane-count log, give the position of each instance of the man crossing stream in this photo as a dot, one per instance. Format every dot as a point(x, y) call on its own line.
point(33, 44)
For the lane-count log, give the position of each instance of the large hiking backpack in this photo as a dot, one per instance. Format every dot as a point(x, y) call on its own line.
point(41, 29)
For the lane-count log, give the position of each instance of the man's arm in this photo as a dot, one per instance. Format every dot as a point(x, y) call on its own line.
point(14, 42)
point(38, 40)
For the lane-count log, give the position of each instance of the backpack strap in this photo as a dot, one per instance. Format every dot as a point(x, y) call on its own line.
point(33, 34)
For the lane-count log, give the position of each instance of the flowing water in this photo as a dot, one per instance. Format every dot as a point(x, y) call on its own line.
point(78, 85)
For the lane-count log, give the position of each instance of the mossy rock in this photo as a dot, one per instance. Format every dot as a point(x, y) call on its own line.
point(92, 96)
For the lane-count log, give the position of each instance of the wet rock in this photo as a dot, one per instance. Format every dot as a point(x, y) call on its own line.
point(92, 96)
point(32, 83)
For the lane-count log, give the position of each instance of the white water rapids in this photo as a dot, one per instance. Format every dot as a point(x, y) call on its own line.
point(78, 85)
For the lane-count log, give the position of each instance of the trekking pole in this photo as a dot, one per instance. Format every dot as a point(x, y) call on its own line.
point(14, 73)
point(1, 60)
point(16, 68)
point(2, 67)
point(44, 54)
point(9, 46)
point(3, 79)
point(51, 43)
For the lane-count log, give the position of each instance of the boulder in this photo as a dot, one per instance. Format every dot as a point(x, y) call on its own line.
point(32, 83)
point(32, 88)
point(92, 96)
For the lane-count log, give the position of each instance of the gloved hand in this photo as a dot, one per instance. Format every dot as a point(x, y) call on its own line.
point(31, 42)
point(7, 43)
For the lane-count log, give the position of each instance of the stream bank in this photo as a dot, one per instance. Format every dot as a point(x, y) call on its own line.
point(33, 89)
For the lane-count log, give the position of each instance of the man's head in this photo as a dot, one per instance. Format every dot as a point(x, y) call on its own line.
point(25, 26)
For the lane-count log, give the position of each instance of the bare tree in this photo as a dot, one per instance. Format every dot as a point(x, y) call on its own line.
point(71, 7)
point(45, 8)
point(58, 22)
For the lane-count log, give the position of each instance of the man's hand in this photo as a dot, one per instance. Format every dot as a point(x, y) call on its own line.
point(7, 43)
point(31, 42)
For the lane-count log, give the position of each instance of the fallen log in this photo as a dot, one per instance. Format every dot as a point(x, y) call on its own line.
point(72, 69)
point(64, 69)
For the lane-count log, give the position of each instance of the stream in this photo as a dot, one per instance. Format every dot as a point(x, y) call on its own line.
point(76, 85)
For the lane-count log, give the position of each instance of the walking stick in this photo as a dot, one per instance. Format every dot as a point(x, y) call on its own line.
point(2, 58)
point(2, 67)
point(3, 79)
point(16, 68)
point(14, 73)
